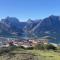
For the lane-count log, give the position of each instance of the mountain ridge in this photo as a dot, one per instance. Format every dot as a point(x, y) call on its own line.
point(32, 28)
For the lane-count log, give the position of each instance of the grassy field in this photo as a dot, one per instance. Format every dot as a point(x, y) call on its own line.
point(30, 55)
point(46, 55)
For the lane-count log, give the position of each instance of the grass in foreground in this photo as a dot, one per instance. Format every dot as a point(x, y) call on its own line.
point(46, 55)
point(21, 54)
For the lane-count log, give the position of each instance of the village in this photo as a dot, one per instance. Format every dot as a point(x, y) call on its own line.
point(5, 42)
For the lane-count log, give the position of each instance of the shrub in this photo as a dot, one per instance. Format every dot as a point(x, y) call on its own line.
point(30, 48)
point(45, 47)
point(50, 46)
point(22, 47)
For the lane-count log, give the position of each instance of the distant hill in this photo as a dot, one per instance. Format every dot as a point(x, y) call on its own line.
point(12, 26)
point(50, 26)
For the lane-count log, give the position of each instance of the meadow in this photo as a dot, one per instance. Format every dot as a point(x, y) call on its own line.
point(24, 54)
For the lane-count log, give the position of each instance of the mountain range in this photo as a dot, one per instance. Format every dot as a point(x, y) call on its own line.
point(47, 28)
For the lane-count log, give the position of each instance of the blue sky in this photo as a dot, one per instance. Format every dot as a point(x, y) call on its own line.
point(25, 9)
